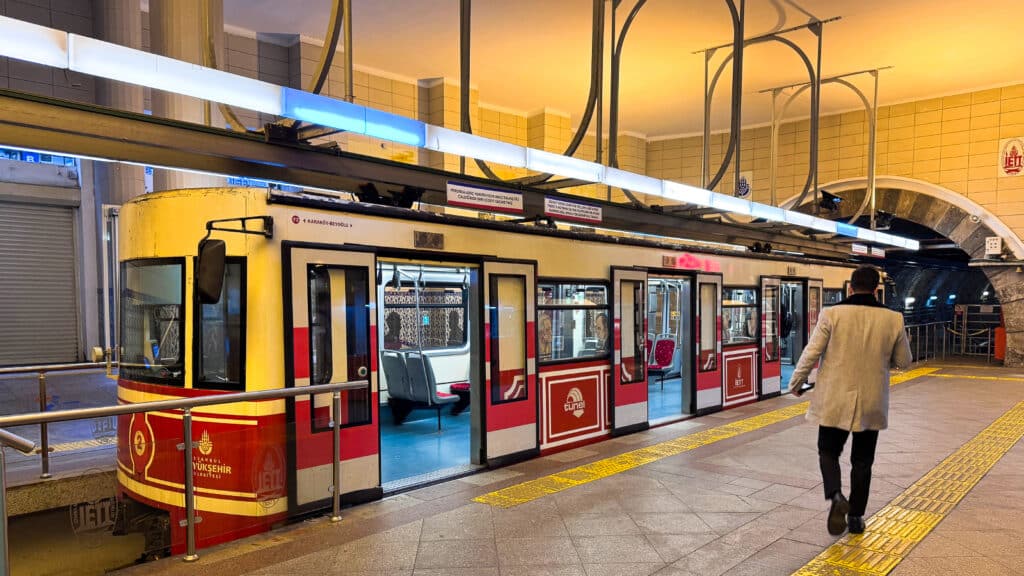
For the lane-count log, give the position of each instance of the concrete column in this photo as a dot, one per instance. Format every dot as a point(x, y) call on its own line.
point(178, 30)
point(120, 22)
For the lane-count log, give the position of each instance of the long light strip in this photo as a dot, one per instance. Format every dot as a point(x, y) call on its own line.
point(24, 41)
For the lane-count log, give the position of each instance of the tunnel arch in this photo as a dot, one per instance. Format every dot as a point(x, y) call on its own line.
point(956, 217)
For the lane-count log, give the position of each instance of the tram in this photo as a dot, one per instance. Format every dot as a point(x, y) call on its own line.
point(480, 343)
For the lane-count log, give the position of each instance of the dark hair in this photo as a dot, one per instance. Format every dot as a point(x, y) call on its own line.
point(864, 279)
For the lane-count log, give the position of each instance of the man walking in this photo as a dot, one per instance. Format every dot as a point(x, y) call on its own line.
point(857, 341)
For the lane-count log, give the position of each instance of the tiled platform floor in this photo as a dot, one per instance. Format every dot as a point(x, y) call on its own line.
point(746, 505)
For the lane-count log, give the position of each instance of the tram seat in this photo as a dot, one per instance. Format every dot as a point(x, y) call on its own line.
point(399, 388)
point(423, 385)
point(662, 360)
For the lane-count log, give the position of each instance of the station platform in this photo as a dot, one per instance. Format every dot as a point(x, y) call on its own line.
point(736, 493)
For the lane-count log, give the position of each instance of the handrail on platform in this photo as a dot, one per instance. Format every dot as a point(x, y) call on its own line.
point(8, 439)
point(42, 369)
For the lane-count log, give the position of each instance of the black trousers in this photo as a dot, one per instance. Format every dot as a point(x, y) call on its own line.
point(862, 456)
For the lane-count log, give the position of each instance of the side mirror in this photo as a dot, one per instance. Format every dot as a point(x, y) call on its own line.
point(210, 274)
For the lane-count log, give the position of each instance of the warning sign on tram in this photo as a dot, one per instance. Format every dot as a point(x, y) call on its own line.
point(473, 196)
point(571, 210)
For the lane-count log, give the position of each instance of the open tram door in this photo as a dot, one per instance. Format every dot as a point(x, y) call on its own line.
point(510, 367)
point(771, 357)
point(708, 343)
point(330, 330)
point(629, 366)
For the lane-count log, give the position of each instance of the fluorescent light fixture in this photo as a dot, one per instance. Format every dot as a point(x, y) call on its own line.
point(846, 229)
point(909, 300)
point(865, 234)
point(395, 128)
point(462, 144)
point(824, 225)
point(630, 181)
point(549, 162)
point(91, 56)
point(911, 244)
point(798, 218)
point(730, 204)
point(685, 193)
point(323, 111)
point(933, 297)
point(770, 213)
point(984, 294)
point(25, 41)
point(952, 296)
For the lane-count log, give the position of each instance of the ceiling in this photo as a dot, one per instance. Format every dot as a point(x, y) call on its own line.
point(530, 54)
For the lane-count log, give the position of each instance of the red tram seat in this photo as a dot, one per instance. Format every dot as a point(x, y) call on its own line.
point(662, 359)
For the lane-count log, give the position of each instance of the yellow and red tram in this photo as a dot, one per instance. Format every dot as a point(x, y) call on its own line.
point(549, 339)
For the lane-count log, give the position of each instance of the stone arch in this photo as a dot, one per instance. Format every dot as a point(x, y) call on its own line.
point(956, 217)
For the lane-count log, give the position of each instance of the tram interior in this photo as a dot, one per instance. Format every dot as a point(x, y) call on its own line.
point(792, 327)
point(425, 347)
point(669, 347)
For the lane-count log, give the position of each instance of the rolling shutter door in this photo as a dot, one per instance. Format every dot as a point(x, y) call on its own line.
point(38, 305)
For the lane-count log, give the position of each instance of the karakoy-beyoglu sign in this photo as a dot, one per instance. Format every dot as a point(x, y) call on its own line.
point(1011, 156)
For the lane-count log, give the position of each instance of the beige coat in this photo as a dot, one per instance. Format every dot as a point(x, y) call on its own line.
point(857, 344)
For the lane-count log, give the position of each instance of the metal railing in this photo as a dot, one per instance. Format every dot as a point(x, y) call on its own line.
point(42, 370)
point(929, 340)
point(8, 439)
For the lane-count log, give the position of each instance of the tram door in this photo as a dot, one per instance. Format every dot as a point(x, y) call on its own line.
point(510, 367)
point(329, 335)
point(709, 342)
point(629, 369)
point(814, 296)
point(771, 365)
point(792, 326)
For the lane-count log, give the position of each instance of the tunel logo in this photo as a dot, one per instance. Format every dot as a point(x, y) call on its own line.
point(1011, 156)
point(295, 219)
point(574, 403)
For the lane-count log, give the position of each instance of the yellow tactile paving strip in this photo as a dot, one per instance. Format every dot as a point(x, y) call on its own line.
point(895, 529)
point(82, 444)
point(540, 487)
point(964, 377)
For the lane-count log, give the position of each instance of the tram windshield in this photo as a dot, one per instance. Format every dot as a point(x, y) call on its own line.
point(152, 293)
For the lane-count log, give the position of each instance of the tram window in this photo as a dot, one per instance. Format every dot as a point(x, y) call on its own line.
point(771, 324)
point(572, 322)
point(508, 338)
point(437, 321)
point(633, 337)
point(739, 311)
point(222, 334)
point(339, 341)
point(152, 338)
point(833, 296)
point(708, 327)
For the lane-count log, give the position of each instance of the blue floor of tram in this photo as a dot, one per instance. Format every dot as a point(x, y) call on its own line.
point(787, 373)
point(415, 447)
point(664, 401)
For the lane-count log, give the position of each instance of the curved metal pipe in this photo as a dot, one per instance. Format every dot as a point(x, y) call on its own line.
point(871, 126)
point(316, 83)
point(737, 92)
point(613, 111)
point(210, 60)
point(810, 72)
point(596, 66)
